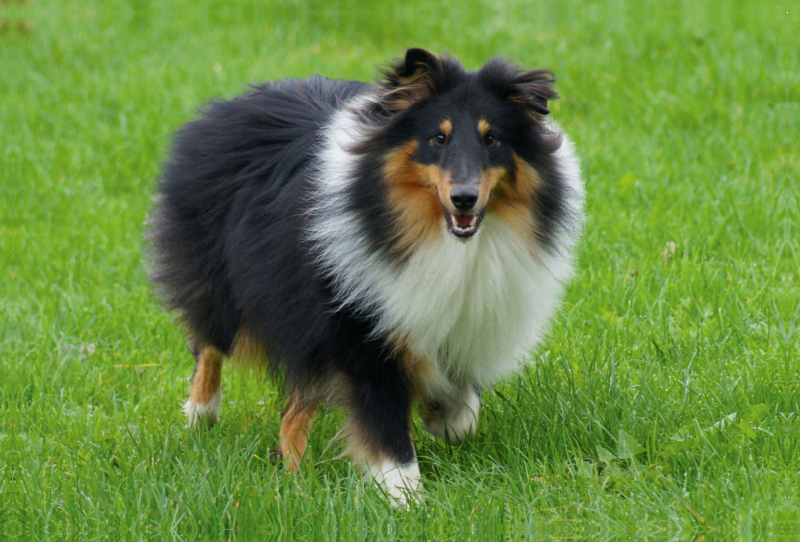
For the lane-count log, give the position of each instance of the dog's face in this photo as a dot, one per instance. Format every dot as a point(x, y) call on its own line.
point(464, 156)
point(457, 142)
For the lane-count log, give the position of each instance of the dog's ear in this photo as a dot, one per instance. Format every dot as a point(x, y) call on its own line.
point(533, 90)
point(410, 79)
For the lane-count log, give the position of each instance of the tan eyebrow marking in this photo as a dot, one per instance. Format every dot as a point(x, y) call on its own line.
point(484, 126)
point(446, 127)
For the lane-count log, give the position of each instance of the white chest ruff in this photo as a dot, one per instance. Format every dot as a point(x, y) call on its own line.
point(474, 308)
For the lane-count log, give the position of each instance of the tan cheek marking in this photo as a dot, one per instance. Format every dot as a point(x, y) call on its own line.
point(514, 194)
point(446, 127)
point(489, 180)
point(412, 195)
point(484, 127)
point(527, 179)
point(441, 180)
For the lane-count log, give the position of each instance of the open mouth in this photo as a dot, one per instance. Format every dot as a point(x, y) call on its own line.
point(463, 225)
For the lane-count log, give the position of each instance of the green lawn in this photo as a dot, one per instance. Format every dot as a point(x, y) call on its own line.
point(664, 405)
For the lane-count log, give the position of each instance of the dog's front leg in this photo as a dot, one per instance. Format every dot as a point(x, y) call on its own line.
point(453, 418)
point(380, 428)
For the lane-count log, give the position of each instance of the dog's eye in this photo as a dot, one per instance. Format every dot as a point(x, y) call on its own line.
point(439, 139)
point(489, 140)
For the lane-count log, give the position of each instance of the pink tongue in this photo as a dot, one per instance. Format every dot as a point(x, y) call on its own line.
point(463, 220)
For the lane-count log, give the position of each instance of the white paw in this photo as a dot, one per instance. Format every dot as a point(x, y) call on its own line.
point(402, 482)
point(454, 423)
point(208, 413)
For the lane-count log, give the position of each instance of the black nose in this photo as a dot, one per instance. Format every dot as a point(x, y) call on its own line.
point(464, 197)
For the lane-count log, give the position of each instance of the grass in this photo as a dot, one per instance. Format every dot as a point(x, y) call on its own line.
point(664, 405)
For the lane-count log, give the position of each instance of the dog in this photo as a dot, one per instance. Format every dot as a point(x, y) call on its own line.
point(379, 246)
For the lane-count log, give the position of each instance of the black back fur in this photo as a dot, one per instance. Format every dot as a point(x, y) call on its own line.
point(230, 204)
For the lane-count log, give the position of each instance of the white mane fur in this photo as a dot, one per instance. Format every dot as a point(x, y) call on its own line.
point(476, 308)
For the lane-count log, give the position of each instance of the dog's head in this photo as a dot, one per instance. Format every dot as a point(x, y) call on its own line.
point(463, 144)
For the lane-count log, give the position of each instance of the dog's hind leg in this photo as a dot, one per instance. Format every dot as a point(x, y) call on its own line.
point(296, 422)
point(205, 395)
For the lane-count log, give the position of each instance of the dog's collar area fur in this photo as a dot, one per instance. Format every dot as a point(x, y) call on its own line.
point(476, 307)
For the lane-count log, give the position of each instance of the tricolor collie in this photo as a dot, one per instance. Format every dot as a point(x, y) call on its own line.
point(380, 246)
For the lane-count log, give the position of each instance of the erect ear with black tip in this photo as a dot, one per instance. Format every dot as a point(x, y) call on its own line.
point(420, 59)
point(410, 79)
point(533, 90)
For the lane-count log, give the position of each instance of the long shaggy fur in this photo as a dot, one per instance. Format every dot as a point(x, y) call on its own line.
point(379, 244)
